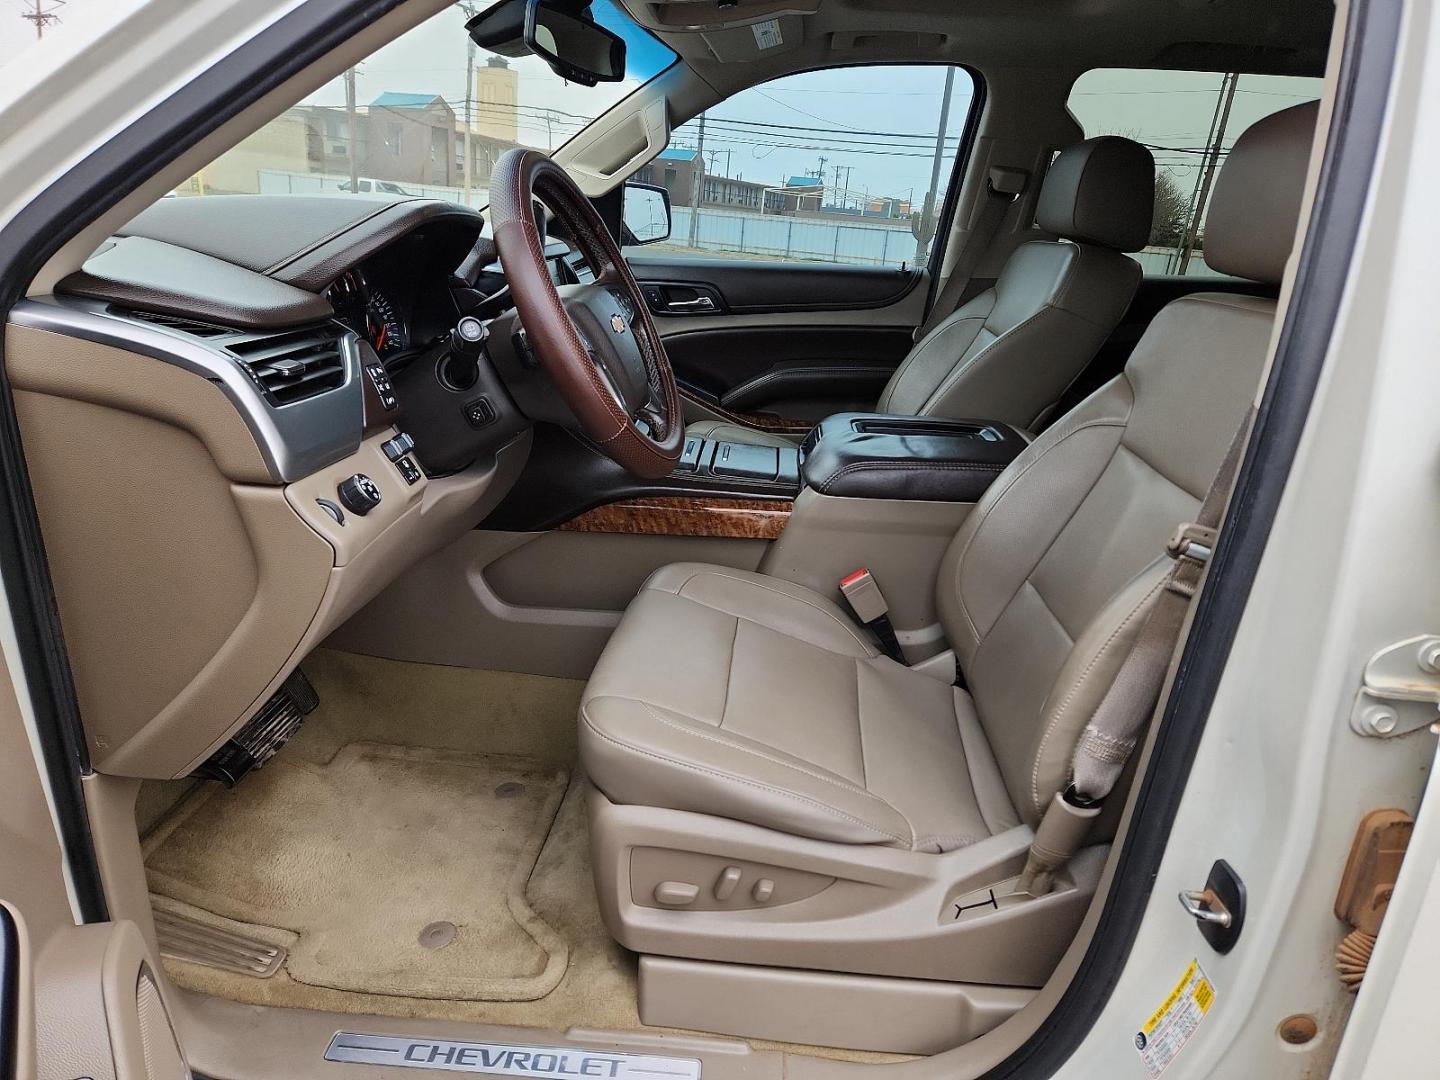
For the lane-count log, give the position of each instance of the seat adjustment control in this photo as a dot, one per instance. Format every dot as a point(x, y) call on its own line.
point(359, 494)
point(676, 893)
point(726, 883)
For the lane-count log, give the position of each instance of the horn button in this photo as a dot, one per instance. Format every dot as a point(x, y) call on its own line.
point(604, 320)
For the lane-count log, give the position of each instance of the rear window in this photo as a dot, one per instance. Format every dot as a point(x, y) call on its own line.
point(1188, 120)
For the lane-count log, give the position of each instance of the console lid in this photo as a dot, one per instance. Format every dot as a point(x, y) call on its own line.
point(934, 459)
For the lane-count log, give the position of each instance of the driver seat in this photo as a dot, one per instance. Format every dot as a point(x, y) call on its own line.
point(771, 789)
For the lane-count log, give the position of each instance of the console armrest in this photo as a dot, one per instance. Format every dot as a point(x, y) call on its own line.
point(876, 456)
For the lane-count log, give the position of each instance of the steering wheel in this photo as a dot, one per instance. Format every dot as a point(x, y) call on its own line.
point(596, 342)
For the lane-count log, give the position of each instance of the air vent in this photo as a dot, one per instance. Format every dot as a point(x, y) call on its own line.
point(184, 326)
point(294, 365)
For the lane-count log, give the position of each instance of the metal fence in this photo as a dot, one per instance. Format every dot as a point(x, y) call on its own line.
point(863, 242)
point(281, 182)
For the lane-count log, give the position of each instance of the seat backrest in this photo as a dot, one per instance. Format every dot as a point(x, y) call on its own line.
point(1046, 585)
point(1009, 353)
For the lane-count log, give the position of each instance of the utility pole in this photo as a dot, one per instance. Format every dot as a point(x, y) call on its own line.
point(351, 139)
point(922, 239)
point(1211, 163)
point(43, 16)
point(470, 10)
point(696, 179)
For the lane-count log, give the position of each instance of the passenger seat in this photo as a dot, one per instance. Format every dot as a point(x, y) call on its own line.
point(1011, 352)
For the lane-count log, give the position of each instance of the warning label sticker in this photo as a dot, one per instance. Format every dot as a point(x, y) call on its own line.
point(767, 34)
point(1170, 1026)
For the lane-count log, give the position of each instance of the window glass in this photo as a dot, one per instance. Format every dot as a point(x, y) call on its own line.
point(847, 165)
point(1189, 120)
point(429, 114)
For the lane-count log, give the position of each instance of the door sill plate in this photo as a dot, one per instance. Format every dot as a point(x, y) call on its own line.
point(506, 1059)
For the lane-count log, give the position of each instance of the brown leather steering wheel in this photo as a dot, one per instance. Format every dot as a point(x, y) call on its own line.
point(596, 341)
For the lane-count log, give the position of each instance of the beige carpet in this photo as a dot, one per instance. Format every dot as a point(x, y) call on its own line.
point(367, 699)
point(356, 857)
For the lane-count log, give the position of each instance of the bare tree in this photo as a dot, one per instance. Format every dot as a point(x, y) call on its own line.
point(1167, 227)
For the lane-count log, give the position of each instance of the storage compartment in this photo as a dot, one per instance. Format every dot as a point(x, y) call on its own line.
point(925, 458)
point(740, 461)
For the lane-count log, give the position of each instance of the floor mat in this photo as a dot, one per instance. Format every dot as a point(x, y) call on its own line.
point(349, 861)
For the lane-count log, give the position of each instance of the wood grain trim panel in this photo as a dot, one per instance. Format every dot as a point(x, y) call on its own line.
point(739, 519)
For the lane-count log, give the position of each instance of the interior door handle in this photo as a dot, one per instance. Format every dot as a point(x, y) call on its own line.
point(700, 303)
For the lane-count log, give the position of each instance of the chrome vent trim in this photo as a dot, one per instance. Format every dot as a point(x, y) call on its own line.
point(293, 365)
point(295, 440)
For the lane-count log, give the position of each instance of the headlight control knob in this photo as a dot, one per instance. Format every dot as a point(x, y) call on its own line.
point(359, 494)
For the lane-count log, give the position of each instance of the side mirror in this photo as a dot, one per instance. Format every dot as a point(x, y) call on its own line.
point(645, 213)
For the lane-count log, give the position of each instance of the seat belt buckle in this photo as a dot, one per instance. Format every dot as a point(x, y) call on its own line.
point(867, 602)
point(1193, 542)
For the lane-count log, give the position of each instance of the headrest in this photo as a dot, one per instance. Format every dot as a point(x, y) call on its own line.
point(1100, 191)
point(1256, 203)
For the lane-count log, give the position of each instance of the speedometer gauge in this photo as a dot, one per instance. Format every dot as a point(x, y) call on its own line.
point(386, 331)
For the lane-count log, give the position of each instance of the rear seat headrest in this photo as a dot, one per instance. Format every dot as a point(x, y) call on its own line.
point(1256, 203)
point(1100, 191)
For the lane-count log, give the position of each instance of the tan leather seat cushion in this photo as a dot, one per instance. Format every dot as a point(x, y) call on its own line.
point(742, 696)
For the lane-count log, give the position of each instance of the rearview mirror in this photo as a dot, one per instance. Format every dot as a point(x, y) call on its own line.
point(646, 213)
point(562, 34)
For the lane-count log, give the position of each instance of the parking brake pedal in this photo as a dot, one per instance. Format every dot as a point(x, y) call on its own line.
point(264, 734)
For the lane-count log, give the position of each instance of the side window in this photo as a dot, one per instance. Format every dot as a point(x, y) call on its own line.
point(847, 165)
point(1189, 120)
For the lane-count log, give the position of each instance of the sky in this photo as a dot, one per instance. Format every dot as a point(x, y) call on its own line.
point(430, 59)
point(877, 124)
point(17, 34)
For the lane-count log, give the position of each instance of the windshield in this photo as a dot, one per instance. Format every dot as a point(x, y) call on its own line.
point(429, 115)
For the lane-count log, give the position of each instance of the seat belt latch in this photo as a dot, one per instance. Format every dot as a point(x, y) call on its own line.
point(1193, 542)
point(866, 600)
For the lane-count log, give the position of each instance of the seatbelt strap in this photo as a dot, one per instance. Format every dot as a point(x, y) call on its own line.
point(1002, 187)
point(1107, 741)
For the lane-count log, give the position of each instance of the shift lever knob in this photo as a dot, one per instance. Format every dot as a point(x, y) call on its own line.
point(468, 338)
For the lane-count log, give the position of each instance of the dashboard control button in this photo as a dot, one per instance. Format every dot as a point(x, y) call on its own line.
point(690, 459)
point(398, 447)
point(409, 470)
point(381, 378)
point(359, 494)
point(479, 412)
point(333, 510)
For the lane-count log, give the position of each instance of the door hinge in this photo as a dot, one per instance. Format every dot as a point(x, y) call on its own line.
point(1400, 691)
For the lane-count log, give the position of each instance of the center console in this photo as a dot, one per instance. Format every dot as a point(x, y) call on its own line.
point(741, 461)
point(923, 458)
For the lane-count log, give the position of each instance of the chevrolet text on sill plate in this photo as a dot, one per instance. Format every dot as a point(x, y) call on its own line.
point(502, 1059)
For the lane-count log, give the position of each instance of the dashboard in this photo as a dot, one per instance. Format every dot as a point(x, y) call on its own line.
point(267, 377)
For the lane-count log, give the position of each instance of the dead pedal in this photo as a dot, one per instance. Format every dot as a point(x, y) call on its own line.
point(183, 938)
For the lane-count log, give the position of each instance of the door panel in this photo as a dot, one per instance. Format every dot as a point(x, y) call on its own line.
point(753, 285)
point(798, 370)
point(793, 340)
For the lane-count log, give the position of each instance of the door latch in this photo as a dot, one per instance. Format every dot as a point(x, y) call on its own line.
point(1219, 908)
point(1400, 691)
